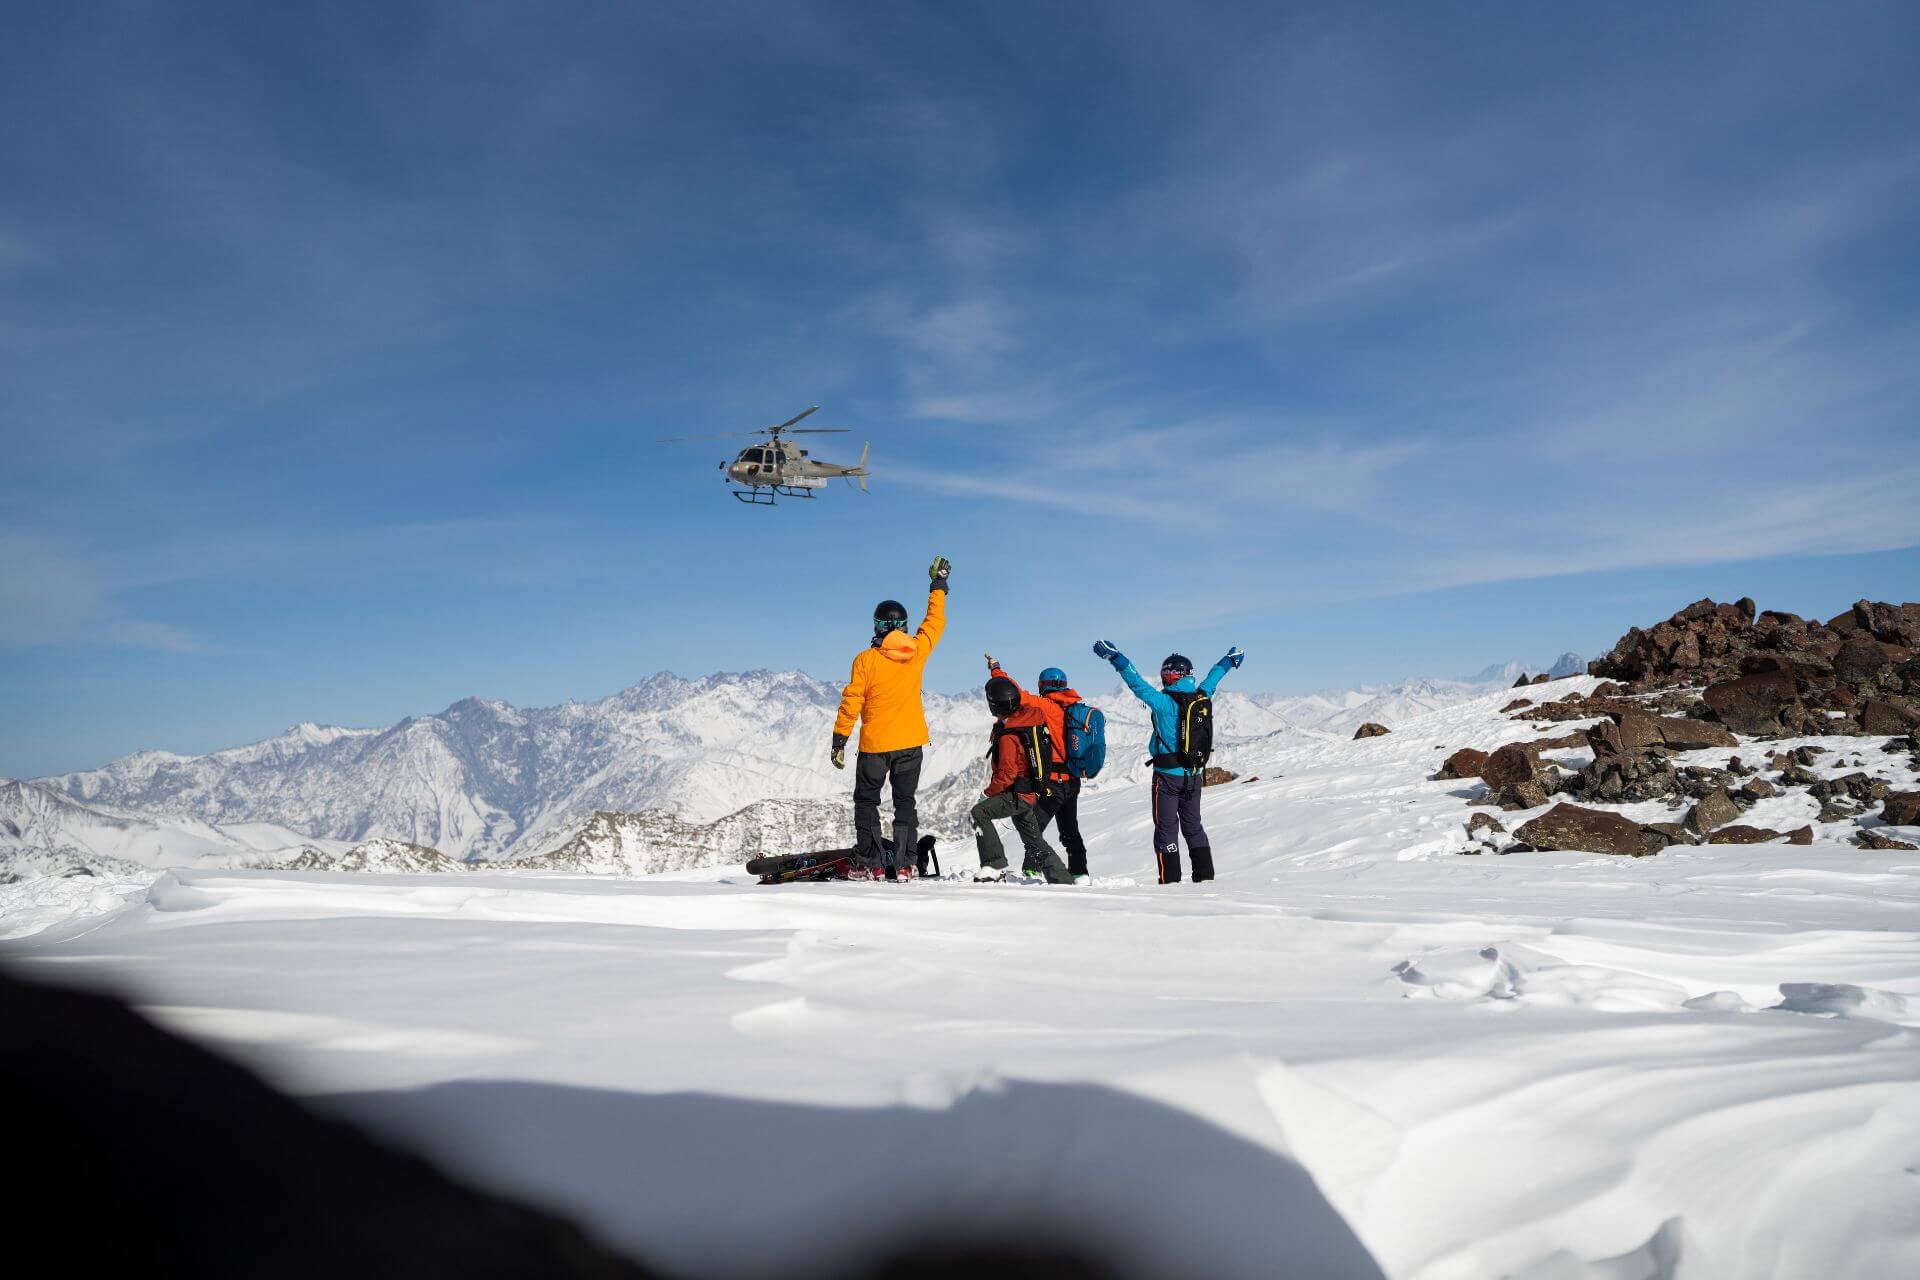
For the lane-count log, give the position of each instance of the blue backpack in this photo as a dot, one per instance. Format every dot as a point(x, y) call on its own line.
point(1086, 740)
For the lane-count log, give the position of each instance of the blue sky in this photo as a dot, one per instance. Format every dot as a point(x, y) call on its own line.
point(336, 340)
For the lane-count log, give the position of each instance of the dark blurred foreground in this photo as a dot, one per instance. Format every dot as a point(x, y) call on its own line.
point(142, 1149)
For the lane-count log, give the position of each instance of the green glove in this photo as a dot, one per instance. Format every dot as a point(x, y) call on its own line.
point(937, 573)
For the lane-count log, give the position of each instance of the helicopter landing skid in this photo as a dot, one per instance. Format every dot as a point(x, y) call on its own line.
point(764, 496)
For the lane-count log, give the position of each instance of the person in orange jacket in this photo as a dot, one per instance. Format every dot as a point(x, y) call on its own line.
point(1014, 789)
point(883, 696)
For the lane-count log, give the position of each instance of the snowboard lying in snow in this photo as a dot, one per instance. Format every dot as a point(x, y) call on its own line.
point(839, 864)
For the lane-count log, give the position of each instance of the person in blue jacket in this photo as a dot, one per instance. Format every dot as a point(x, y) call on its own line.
point(1176, 789)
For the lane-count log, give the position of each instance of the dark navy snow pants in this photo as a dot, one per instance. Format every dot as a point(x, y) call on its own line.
point(1176, 809)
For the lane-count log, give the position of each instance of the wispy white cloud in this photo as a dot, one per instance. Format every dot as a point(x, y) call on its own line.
point(53, 598)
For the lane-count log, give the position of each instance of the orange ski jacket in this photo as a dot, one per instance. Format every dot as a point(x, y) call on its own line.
point(883, 693)
point(1009, 757)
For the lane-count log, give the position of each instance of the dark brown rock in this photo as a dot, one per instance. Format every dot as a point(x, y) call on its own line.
point(1881, 715)
point(1569, 826)
point(1606, 689)
point(1487, 822)
point(1511, 764)
point(1714, 809)
point(1370, 730)
point(1215, 775)
point(1564, 742)
point(1682, 734)
point(1901, 809)
point(1800, 835)
point(1860, 660)
point(1673, 831)
point(1742, 835)
point(1522, 682)
point(1464, 763)
point(1752, 704)
point(1542, 678)
point(1516, 704)
point(1528, 794)
point(1871, 839)
point(1638, 730)
point(1756, 789)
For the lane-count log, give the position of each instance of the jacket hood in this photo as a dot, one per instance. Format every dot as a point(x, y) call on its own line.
point(1065, 697)
point(1185, 684)
point(899, 646)
point(1026, 717)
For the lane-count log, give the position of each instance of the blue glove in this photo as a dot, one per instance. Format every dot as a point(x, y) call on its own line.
point(1235, 656)
point(1105, 649)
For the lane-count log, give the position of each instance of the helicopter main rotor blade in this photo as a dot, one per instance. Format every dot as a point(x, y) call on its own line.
point(817, 431)
point(795, 418)
point(724, 435)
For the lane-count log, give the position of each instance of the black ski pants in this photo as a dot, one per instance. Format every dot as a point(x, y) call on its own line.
point(1176, 809)
point(871, 771)
point(1066, 811)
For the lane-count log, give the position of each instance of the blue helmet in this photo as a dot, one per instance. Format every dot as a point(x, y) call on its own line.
point(1052, 680)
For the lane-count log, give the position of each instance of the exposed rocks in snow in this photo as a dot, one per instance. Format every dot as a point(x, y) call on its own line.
point(1618, 775)
point(1370, 730)
point(1868, 838)
point(1467, 762)
point(1715, 809)
point(1215, 775)
point(1739, 834)
point(1516, 704)
point(1901, 808)
point(1774, 673)
point(1570, 826)
point(1517, 778)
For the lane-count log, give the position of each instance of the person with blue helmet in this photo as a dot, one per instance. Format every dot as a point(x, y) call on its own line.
point(1177, 776)
point(1066, 810)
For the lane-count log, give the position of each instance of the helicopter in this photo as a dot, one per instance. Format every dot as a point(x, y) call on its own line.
point(778, 469)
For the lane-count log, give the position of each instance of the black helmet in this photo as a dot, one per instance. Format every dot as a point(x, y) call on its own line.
point(1003, 696)
point(889, 615)
point(1175, 666)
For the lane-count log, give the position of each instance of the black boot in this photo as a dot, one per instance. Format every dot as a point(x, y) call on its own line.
point(1202, 864)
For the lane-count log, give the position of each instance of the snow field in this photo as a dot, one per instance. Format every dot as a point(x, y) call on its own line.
point(1356, 1053)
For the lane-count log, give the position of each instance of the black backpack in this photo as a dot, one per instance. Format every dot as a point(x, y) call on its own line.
point(1194, 744)
point(1036, 743)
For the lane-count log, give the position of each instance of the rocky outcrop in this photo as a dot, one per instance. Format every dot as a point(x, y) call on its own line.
point(1215, 775)
point(1569, 826)
point(1871, 839)
point(1770, 673)
point(1370, 730)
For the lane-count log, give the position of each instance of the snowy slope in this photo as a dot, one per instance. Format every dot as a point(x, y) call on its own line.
point(1357, 1053)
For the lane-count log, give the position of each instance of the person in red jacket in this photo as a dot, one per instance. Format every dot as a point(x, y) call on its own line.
point(1013, 790)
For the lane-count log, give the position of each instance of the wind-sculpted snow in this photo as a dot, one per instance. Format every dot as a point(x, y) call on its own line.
point(1696, 1064)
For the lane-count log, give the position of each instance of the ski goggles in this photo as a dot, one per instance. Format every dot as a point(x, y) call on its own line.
point(1169, 675)
point(894, 624)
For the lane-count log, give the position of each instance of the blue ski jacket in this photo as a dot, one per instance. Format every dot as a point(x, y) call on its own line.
point(1165, 711)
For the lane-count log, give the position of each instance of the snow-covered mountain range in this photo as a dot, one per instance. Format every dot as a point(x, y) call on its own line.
point(670, 772)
